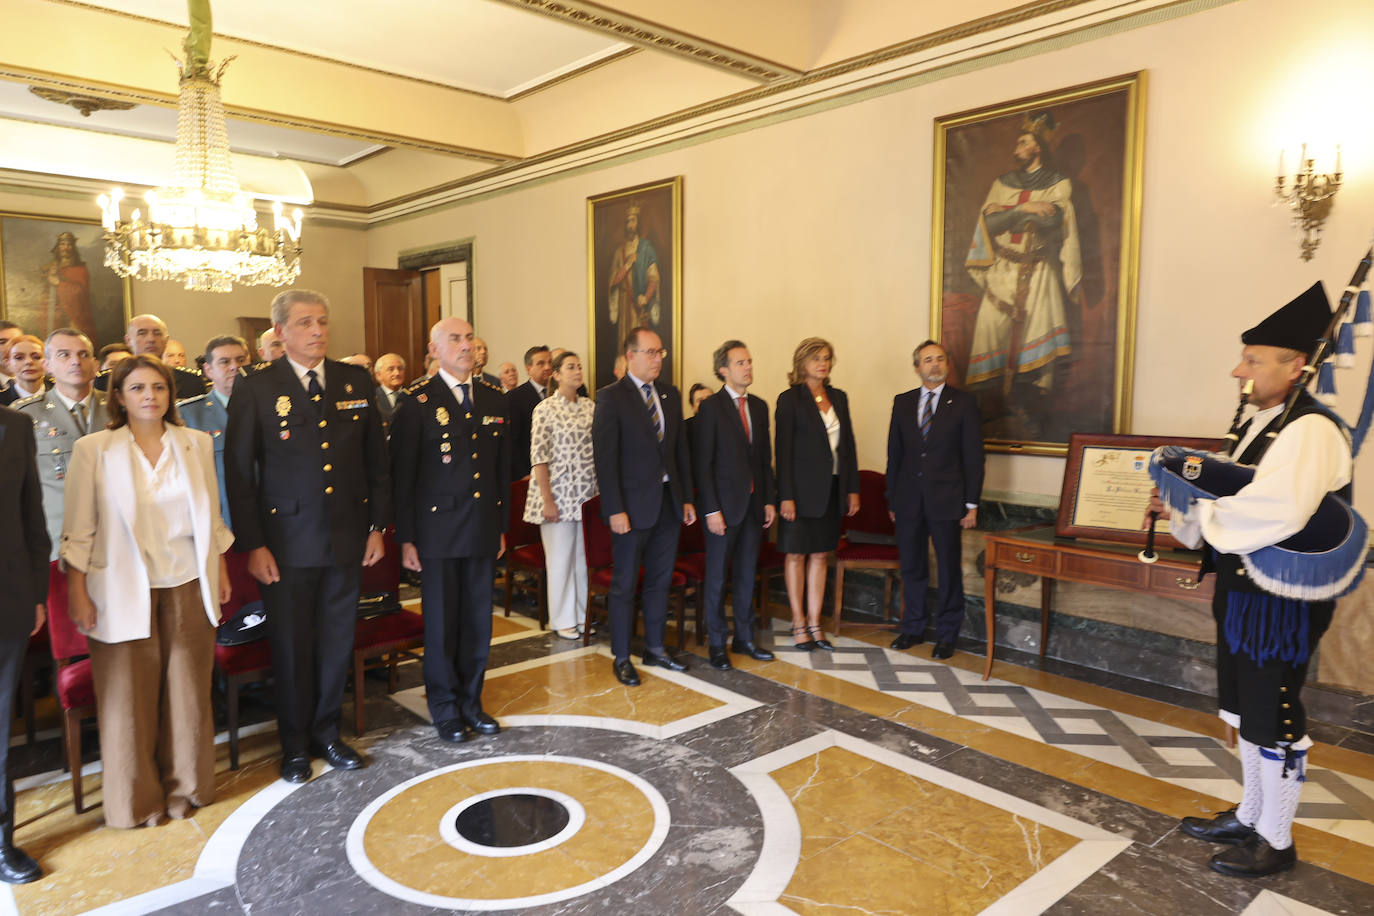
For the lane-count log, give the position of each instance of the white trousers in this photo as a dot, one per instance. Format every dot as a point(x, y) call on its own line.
point(565, 562)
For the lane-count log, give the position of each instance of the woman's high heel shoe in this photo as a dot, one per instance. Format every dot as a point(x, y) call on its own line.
point(818, 639)
point(807, 646)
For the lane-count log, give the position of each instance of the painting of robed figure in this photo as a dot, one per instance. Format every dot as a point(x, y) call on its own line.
point(1036, 238)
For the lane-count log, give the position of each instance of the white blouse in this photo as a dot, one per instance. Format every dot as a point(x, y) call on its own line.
point(832, 432)
point(162, 520)
point(561, 437)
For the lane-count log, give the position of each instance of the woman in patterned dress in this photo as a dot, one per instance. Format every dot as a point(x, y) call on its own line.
point(563, 478)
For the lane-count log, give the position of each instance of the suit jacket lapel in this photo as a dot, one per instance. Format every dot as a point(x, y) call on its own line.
point(119, 463)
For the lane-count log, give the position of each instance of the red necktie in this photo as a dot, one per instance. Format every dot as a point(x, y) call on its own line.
point(744, 418)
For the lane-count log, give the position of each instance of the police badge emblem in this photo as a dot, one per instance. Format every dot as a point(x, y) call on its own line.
point(1192, 467)
point(283, 405)
point(441, 415)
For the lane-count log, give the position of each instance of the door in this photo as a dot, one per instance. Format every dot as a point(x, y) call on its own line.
point(394, 316)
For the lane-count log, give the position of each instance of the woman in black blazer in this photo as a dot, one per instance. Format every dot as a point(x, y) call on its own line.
point(817, 463)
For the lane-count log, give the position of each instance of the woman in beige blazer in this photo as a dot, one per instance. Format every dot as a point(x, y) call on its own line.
point(143, 545)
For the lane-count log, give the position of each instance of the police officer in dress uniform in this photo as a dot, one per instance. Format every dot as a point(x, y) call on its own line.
point(64, 413)
point(450, 464)
point(209, 413)
point(310, 490)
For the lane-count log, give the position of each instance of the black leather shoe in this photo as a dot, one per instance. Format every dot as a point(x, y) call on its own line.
point(1254, 858)
point(665, 660)
point(483, 724)
point(740, 647)
point(338, 755)
point(720, 659)
point(295, 768)
point(907, 640)
point(451, 730)
point(942, 650)
point(626, 674)
point(819, 640)
point(17, 867)
point(1224, 828)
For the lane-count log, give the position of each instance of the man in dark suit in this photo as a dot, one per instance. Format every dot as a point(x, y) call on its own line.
point(733, 461)
point(390, 373)
point(25, 546)
point(523, 400)
point(644, 472)
point(934, 480)
point(148, 334)
point(450, 466)
point(479, 366)
point(310, 491)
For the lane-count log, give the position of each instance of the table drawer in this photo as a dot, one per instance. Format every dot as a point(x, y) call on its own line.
point(1181, 583)
point(1027, 559)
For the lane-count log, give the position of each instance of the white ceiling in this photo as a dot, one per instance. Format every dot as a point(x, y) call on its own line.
point(155, 122)
point(466, 44)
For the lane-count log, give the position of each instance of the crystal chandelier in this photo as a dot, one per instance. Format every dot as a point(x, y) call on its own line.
point(200, 229)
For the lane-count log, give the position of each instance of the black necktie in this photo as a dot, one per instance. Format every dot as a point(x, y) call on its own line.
point(463, 400)
point(315, 391)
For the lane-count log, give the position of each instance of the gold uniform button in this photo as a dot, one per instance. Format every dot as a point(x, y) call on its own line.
point(477, 494)
point(474, 454)
point(1286, 705)
point(434, 508)
point(1287, 721)
point(445, 436)
point(274, 510)
point(1283, 690)
point(1288, 737)
point(329, 467)
point(329, 490)
point(475, 475)
point(474, 435)
point(324, 445)
point(323, 424)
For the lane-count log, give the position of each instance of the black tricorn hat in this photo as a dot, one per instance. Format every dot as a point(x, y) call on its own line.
point(1296, 326)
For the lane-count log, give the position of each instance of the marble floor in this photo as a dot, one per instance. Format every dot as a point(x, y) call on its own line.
point(863, 781)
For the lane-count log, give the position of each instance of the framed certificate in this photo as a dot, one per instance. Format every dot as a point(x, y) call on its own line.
point(1107, 487)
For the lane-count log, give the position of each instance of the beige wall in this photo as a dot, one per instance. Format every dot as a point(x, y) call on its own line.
point(332, 264)
point(821, 224)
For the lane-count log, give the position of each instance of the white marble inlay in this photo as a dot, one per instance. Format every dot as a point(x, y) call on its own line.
point(1269, 903)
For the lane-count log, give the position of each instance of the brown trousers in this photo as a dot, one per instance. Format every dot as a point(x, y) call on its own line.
point(157, 727)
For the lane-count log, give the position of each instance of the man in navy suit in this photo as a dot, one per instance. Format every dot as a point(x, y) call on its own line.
point(733, 461)
point(644, 473)
point(934, 479)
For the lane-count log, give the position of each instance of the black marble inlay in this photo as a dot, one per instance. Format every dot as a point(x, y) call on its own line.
point(518, 819)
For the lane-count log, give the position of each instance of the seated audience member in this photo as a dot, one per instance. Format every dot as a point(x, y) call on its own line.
point(209, 413)
point(390, 373)
point(269, 347)
point(148, 334)
point(146, 588)
point(8, 332)
point(24, 544)
point(70, 409)
point(539, 366)
point(480, 352)
point(563, 477)
point(509, 376)
point(175, 354)
point(23, 360)
point(111, 354)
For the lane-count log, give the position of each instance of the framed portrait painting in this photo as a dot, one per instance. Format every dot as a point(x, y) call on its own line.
point(53, 275)
point(634, 274)
point(1035, 249)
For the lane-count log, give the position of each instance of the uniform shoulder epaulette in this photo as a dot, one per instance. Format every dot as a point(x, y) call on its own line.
point(490, 385)
point(416, 385)
point(187, 402)
point(31, 399)
point(257, 367)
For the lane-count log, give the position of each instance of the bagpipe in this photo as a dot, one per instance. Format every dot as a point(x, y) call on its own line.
point(1326, 559)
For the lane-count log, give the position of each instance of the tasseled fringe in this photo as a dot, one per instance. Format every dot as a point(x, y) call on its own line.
point(1326, 384)
point(1175, 492)
point(1267, 626)
point(1364, 315)
point(1292, 760)
point(1345, 346)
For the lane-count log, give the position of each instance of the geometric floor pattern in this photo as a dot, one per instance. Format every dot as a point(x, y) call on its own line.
point(1338, 803)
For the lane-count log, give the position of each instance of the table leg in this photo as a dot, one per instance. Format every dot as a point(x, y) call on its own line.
point(990, 603)
point(1046, 598)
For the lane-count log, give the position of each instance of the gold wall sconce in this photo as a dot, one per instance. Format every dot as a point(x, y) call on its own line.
point(1310, 198)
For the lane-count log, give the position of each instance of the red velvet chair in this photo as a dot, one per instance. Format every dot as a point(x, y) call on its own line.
point(596, 535)
point(771, 562)
point(525, 550)
point(872, 519)
point(691, 565)
point(387, 639)
point(239, 665)
point(75, 689)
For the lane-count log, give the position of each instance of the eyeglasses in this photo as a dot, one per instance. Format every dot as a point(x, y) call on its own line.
point(661, 353)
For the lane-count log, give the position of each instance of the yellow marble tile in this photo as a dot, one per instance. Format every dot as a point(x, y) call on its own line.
point(819, 833)
point(586, 686)
point(864, 699)
point(504, 626)
point(861, 875)
point(847, 788)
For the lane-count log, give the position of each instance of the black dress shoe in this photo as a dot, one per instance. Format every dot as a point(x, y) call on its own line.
point(338, 755)
point(907, 640)
point(1224, 828)
point(451, 730)
point(483, 724)
point(740, 647)
point(626, 674)
point(17, 867)
point(1254, 858)
point(665, 660)
point(819, 640)
point(295, 768)
point(942, 650)
point(720, 659)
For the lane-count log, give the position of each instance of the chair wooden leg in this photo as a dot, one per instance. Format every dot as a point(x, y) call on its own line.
point(509, 575)
point(681, 618)
point(700, 621)
point(391, 671)
point(231, 715)
point(543, 600)
point(26, 698)
point(71, 737)
point(359, 719)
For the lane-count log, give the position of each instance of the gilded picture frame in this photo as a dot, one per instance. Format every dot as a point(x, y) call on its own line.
point(634, 274)
point(53, 274)
point(1035, 260)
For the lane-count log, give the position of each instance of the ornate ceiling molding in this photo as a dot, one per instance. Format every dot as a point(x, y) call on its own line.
point(82, 103)
point(657, 37)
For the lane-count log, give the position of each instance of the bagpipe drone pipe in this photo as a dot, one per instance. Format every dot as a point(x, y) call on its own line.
point(1326, 559)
